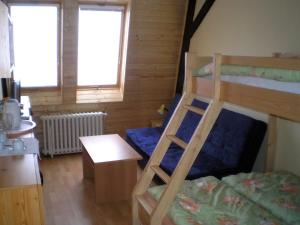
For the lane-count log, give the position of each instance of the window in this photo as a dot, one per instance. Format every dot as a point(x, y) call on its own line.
point(100, 45)
point(35, 32)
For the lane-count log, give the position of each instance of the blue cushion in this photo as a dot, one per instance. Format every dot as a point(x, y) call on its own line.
point(190, 122)
point(144, 139)
point(204, 164)
point(231, 146)
point(228, 138)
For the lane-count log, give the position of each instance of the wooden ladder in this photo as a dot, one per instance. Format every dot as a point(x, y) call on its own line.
point(190, 151)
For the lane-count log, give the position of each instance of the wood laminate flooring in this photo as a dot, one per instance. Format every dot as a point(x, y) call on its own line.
point(70, 200)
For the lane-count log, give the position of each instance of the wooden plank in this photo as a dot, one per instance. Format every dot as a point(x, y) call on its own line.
point(114, 181)
point(17, 171)
point(278, 103)
point(20, 206)
point(162, 175)
point(158, 154)
point(281, 104)
point(177, 141)
point(195, 109)
point(21, 200)
point(146, 205)
point(144, 210)
point(217, 76)
point(186, 161)
point(272, 140)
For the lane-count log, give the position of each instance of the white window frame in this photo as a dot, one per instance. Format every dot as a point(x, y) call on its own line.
point(58, 57)
point(119, 8)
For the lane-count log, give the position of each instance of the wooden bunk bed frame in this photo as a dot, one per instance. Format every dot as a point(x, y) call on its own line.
point(146, 210)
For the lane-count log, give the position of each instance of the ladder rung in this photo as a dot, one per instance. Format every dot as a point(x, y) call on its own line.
point(177, 141)
point(146, 205)
point(162, 174)
point(144, 202)
point(195, 109)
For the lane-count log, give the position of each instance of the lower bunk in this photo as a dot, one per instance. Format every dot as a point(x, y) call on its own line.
point(245, 198)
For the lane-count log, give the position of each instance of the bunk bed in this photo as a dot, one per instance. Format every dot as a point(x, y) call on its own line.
point(254, 205)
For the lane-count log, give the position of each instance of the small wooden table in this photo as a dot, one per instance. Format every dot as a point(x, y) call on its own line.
point(113, 165)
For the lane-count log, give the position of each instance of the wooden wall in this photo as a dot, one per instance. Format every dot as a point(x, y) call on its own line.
point(154, 44)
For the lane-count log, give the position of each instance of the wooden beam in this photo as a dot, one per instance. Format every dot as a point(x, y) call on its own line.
point(185, 44)
point(191, 26)
point(201, 15)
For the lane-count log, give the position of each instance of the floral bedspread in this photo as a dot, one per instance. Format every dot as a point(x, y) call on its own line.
point(277, 192)
point(209, 201)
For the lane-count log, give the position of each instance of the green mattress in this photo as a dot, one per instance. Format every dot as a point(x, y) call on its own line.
point(261, 72)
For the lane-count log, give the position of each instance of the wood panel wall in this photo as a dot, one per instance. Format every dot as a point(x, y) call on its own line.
point(155, 34)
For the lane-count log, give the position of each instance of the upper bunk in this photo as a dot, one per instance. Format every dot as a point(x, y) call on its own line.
point(281, 99)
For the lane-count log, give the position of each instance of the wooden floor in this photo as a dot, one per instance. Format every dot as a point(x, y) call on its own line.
point(70, 200)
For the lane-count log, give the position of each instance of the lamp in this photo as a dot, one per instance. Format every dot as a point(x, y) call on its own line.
point(162, 109)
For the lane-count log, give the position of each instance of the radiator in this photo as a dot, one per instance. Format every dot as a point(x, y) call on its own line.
point(61, 132)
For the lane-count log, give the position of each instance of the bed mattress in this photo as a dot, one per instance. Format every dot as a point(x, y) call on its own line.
point(290, 87)
point(253, 198)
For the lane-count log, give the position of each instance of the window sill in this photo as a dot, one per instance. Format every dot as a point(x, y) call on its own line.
point(97, 96)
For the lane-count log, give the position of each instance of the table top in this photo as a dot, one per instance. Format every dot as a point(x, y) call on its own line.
point(108, 148)
point(18, 171)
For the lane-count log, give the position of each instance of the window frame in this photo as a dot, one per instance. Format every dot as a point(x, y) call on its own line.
point(108, 7)
point(59, 45)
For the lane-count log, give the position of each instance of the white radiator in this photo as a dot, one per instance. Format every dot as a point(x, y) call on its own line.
point(62, 132)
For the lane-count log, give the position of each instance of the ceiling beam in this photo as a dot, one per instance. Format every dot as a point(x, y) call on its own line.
point(190, 28)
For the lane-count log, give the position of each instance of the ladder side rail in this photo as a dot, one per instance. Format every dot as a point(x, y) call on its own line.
point(194, 146)
point(162, 146)
point(158, 154)
point(217, 62)
point(186, 162)
point(188, 157)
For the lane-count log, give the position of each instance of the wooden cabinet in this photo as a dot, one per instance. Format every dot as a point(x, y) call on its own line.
point(21, 198)
point(4, 42)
